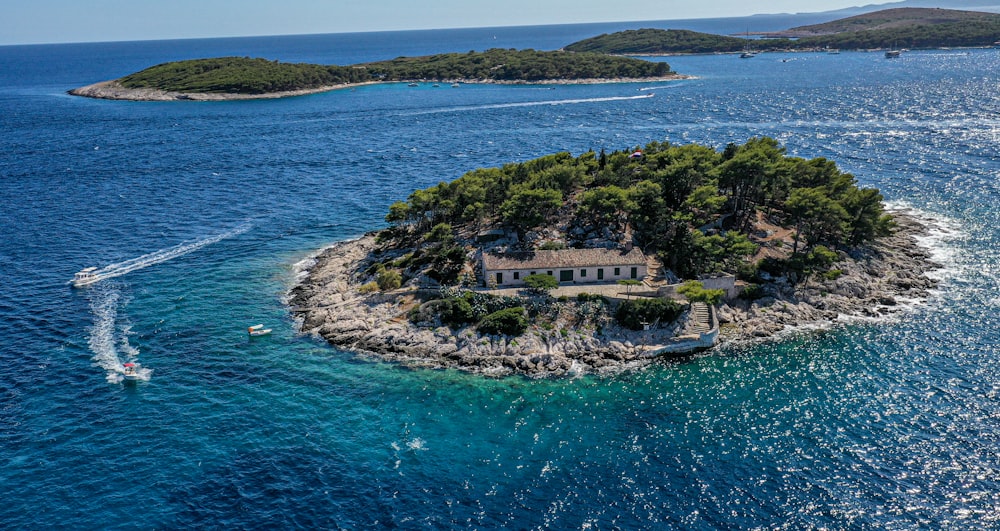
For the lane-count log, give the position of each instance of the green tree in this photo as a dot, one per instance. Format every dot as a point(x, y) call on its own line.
point(528, 208)
point(541, 283)
point(605, 204)
point(817, 218)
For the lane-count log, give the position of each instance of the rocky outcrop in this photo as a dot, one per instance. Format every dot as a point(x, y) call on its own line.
point(113, 90)
point(875, 280)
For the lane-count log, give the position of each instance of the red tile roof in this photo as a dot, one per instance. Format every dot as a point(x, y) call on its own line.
point(565, 258)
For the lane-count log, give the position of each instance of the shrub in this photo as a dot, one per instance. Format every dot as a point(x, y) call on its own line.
point(821, 257)
point(389, 279)
point(632, 314)
point(456, 311)
point(511, 322)
point(553, 246)
point(752, 292)
point(695, 291)
point(370, 287)
point(833, 274)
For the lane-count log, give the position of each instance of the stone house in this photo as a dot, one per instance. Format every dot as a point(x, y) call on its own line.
point(569, 266)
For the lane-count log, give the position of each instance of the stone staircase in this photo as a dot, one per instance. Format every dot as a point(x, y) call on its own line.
point(701, 316)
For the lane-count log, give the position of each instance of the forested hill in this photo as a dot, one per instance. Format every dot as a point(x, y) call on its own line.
point(902, 28)
point(244, 75)
point(663, 196)
point(656, 41)
point(889, 19)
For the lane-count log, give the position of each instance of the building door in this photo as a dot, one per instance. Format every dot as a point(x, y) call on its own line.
point(566, 276)
point(635, 272)
point(600, 274)
point(499, 278)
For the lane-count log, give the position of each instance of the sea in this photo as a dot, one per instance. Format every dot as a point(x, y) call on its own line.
point(201, 216)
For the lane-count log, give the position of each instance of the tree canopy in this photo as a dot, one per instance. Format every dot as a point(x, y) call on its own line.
point(694, 206)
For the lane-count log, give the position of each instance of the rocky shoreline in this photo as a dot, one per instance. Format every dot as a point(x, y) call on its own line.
point(876, 282)
point(114, 90)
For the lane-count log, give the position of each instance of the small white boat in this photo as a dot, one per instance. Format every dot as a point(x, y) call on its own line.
point(413, 85)
point(130, 371)
point(892, 54)
point(84, 277)
point(258, 330)
point(455, 85)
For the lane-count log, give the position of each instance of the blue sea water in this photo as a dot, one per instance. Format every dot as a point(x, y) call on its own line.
point(214, 207)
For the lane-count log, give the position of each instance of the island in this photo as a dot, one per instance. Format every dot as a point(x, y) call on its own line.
point(229, 78)
point(567, 264)
point(910, 28)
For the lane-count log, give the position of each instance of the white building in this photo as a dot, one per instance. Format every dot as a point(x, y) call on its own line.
point(569, 266)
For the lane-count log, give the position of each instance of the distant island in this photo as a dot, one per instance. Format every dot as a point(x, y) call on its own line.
point(246, 78)
point(911, 28)
point(564, 265)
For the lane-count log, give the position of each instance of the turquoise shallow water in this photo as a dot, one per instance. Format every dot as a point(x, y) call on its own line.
point(866, 426)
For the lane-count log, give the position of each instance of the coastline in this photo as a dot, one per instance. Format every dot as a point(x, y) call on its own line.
point(113, 90)
point(877, 279)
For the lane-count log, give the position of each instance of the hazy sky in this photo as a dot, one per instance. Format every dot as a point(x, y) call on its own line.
point(49, 21)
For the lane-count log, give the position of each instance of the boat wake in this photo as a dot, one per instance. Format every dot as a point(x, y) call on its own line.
point(163, 255)
point(530, 104)
point(109, 337)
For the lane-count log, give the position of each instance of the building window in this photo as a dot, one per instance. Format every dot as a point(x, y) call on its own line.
point(532, 272)
point(517, 275)
point(583, 273)
point(566, 275)
point(549, 273)
point(618, 272)
point(600, 274)
point(635, 272)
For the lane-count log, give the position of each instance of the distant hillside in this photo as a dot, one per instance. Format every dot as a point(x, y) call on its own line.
point(889, 19)
point(904, 27)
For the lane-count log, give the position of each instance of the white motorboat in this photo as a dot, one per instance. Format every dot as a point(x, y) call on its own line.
point(85, 277)
point(258, 330)
point(130, 371)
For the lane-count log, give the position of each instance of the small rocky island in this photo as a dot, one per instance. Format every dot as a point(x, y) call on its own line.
point(231, 78)
point(569, 265)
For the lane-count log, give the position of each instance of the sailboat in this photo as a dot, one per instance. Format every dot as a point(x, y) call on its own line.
point(893, 52)
point(747, 51)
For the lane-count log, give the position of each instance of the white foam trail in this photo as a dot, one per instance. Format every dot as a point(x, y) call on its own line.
point(530, 104)
point(107, 335)
point(163, 255)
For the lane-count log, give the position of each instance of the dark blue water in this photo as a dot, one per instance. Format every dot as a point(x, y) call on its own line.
point(889, 425)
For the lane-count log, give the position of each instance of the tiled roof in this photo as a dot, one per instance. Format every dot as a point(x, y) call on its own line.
point(564, 258)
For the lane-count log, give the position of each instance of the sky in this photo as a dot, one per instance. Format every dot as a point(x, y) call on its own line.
point(57, 21)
